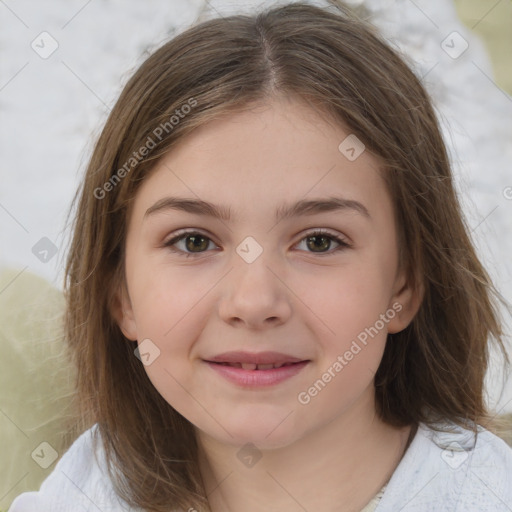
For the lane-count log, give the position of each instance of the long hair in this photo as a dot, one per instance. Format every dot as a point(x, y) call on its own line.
point(434, 369)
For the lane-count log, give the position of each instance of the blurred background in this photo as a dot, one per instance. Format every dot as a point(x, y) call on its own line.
point(492, 22)
point(64, 64)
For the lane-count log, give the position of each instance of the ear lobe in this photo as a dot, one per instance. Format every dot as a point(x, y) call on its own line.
point(405, 302)
point(122, 312)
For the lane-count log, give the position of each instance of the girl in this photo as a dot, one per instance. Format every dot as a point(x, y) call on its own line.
point(273, 300)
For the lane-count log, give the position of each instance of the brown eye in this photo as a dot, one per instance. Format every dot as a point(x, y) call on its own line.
point(319, 242)
point(194, 243)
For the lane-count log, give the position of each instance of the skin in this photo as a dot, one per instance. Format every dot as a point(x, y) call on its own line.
point(333, 453)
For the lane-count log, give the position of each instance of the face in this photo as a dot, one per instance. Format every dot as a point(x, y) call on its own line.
point(199, 286)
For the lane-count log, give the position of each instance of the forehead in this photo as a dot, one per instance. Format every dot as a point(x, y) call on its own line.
point(269, 155)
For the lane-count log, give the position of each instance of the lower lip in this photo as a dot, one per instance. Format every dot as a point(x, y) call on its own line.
point(257, 378)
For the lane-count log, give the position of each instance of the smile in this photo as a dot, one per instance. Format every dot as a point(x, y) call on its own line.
point(250, 375)
point(254, 366)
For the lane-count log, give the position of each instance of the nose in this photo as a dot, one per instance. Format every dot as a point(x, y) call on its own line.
point(254, 295)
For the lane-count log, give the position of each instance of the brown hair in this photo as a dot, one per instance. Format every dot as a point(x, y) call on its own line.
point(434, 369)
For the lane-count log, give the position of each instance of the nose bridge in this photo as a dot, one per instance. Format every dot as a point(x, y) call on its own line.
point(255, 292)
point(252, 263)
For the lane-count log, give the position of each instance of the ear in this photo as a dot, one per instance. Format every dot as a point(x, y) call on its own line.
point(406, 302)
point(122, 311)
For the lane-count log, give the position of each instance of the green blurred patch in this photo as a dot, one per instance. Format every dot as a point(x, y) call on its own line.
point(36, 380)
point(504, 427)
point(491, 20)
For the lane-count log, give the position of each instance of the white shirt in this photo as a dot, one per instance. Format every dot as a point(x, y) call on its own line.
point(464, 477)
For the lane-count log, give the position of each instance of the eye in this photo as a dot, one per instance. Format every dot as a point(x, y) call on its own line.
point(193, 241)
point(197, 243)
point(321, 238)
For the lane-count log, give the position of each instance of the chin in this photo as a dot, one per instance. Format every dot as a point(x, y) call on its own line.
point(268, 432)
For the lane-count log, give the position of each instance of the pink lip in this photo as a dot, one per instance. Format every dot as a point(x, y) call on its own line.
point(257, 378)
point(255, 358)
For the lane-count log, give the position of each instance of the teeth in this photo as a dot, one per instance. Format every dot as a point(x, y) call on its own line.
point(265, 366)
point(254, 366)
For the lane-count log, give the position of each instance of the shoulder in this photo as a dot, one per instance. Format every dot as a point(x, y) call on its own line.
point(452, 470)
point(79, 482)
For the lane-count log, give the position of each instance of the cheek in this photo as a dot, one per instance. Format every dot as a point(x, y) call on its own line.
point(348, 299)
point(164, 299)
point(339, 387)
point(353, 312)
point(169, 311)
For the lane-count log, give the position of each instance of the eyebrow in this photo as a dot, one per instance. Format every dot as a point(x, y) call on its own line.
point(302, 207)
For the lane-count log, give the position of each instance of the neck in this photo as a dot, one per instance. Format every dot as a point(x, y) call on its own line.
point(337, 468)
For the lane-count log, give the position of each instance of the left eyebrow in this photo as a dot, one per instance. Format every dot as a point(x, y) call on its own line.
point(302, 207)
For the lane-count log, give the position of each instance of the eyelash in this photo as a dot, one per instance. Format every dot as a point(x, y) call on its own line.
point(342, 243)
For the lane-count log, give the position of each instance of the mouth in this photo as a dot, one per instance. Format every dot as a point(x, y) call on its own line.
point(254, 366)
point(255, 361)
point(262, 369)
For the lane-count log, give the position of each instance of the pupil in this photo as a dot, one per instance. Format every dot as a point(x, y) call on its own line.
point(325, 245)
point(193, 244)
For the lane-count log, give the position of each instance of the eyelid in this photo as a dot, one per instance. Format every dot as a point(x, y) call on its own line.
point(187, 231)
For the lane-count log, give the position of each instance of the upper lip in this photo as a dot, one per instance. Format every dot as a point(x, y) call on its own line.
point(255, 358)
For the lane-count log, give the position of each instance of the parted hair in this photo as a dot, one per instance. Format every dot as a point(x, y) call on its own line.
point(338, 63)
